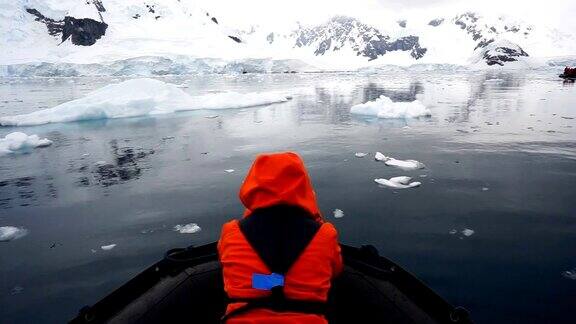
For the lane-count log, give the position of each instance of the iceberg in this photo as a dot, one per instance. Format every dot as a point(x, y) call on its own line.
point(384, 107)
point(10, 233)
point(20, 142)
point(406, 165)
point(401, 182)
point(338, 213)
point(139, 97)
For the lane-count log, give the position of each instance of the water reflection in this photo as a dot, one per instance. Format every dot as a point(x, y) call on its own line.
point(25, 191)
point(372, 91)
point(128, 164)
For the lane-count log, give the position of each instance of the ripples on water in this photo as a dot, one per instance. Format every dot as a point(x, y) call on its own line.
point(500, 153)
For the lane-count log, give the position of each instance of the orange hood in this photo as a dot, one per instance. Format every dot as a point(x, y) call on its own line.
point(278, 179)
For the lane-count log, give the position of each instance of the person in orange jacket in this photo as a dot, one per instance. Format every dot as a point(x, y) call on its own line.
point(279, 259)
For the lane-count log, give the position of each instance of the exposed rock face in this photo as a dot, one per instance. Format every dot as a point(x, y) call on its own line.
point(482, 33)
point(497, 53)
point(270, 38)
point(402, 23)
point(84, 31)
point(363, 39)
point(436, 22)
point(236, 39)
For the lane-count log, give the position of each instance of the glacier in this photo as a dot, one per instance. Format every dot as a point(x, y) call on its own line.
point(139, 97)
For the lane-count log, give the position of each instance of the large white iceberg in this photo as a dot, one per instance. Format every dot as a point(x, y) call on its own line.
point(384, 107)
point(139, 97)
point(20, 142)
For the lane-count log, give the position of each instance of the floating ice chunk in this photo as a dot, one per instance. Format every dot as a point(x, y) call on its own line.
point(485, 188)
point(383, 107)
point(467, 232)
point(10, 233)
point(360, 154)
point(380, 157)
point(401, 182)
point(139, 97)
point(16, 290)
point(100, 163)
point(229, 170)
point(338, 213)
point(453, 231)
point(20, 142)
point(188, 228)
point(406, 165)
point(108, 247)
point(211, 116)
point(570, 274)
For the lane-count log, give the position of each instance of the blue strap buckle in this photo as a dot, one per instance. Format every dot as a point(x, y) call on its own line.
point(267, 282)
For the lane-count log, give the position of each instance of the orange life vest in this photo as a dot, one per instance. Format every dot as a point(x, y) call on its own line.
point(276, 189)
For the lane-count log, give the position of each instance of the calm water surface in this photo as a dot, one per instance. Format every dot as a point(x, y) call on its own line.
point(500, 151)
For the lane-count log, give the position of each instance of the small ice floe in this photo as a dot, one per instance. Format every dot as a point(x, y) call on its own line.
point(16, 290)
point(401, 182)
point(570, 274)
point(338, 213)
point(485, 188)
point(86, 154)
point(229, 170)
point(360, 154)
point(467, 232)
point(18, 142)
point(384, 107)
point(108, 247)
point(10, 233)
point(211, 116)
point(100, 163)
point(187, 228)
point(406, 165)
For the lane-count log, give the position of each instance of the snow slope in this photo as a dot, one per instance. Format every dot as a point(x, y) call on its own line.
point(139, 97)
point(41, 37)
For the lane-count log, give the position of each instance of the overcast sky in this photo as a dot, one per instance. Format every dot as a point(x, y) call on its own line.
point(557, 13)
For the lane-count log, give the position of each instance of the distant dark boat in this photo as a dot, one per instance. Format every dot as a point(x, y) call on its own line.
point(186, 287)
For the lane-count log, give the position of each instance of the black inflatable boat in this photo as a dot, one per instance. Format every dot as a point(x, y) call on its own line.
point(186, 287)
point(567, 77)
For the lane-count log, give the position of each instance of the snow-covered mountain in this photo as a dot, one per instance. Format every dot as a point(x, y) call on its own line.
point(104, 31)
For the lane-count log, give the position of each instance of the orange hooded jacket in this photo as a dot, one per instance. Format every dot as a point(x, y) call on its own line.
point(279, 179)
